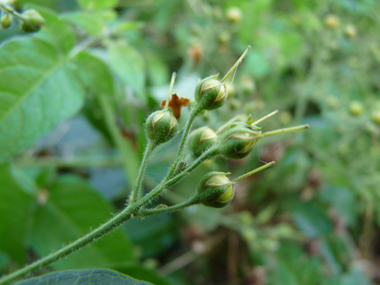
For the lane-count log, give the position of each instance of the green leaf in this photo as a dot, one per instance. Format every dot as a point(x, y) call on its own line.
point(97, 4)
point(88, 21)
point(38, 89)
point(129, 65)
point(16, 207)
point(142, 273)
point(72, 209)
point(88, 276)
point(56, 31)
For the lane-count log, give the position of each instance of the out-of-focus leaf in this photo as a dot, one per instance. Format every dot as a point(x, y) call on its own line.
point(129, 66)
point(142, 273)
point(37, 91)
point(87, 276)
point(311, 220)
point(56, 31)
point(256, 64)
point(157, 70)
point(97, 4)
point(71, 210)
point(16, 208)
point(90, 22)
point(343, 200)
point(153, 234)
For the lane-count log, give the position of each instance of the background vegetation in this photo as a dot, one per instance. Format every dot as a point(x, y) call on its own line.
point(71, 146)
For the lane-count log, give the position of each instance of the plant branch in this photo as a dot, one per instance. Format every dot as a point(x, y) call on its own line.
point(148, 212)
point(113, 223)
point(136, 188)
point(12, 11)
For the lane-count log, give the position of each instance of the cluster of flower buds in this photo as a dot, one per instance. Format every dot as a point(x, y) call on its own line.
point(31, 20)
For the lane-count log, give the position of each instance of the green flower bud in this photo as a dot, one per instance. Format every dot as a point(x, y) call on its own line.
point(161, 126)
point(201, 139)
point(33, 21)
point(6, 20)
point(215, 190)
point(234, 14)
point(210, 93)
point(376, 117)
point(356, 108)
point(238, 141)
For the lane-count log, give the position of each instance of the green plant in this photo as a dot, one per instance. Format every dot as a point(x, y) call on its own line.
point(160, 128)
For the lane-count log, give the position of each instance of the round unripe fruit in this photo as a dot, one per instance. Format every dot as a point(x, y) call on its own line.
point(332, 21)
point(6, 20)
point(202, 139)
point(34, 21)
point(160, 127)
point(215, 190)
point(234, 14)
point(376, 117)
point(224, 37)
point(356, 108)
point(237, 142)
point(210, 93)
point(350, 31)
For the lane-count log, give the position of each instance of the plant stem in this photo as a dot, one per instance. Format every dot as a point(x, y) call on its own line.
point(113, 223)
point(181, 149)
point(149, 212)
point(136, 188)
point(286, 130)
point(166, 184)
point(130, 160)
point(264, 118)
point(254, 171)
point(9, 9)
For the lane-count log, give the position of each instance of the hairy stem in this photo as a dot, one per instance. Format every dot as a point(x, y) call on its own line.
point(113, 223)
point(181, 149)
point(149, 212)
point(136, 188)
point(12, 11)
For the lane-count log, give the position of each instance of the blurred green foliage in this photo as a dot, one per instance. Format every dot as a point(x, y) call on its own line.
point(312, 219)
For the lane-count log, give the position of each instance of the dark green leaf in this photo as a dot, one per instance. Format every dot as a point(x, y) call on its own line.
point(89, 21)
point(72, 209)
point(88, 276)
point(16, 208)
point(142, 273)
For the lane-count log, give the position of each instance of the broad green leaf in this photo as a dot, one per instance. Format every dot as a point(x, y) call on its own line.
point(38, 89)
point(90, 22)
point(72, 209)
point(129, 65)
point(97, 4)
point(97, 78)
point(88, 276)
point(16, 208)
point(56, 31)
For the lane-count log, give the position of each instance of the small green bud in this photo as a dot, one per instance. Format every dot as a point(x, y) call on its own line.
point(350, 31)
point(210, 93)
point(161, 126)
point(238, 141)
point(215, 190)
point(201, 139)
point(376, 117)
point(234, 14)
point(332, 21)
point(248, 85)
point(6, 20)
point(356, 108)
point(33, 21)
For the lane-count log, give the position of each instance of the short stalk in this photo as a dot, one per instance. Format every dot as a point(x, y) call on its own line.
point(12, 11)
point(186, 204)
point(264, 118)
point(254, 171)
point(286, 130)
point(136, 188)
